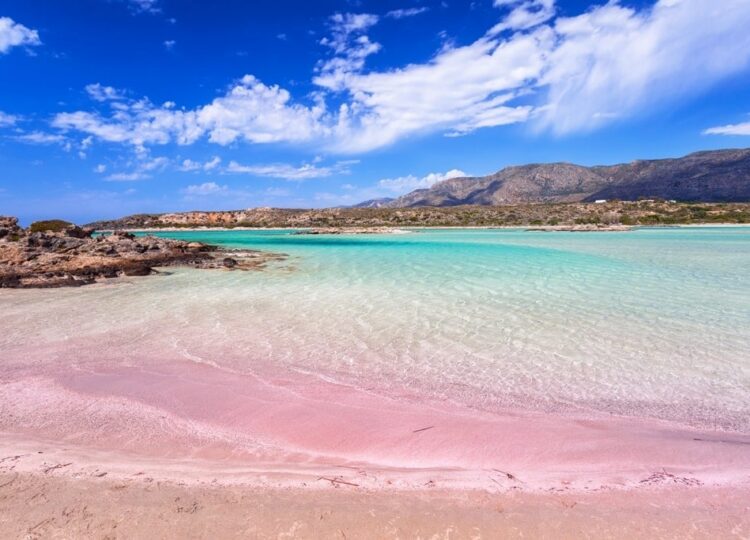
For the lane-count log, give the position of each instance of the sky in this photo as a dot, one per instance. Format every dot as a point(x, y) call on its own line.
point(115, 107)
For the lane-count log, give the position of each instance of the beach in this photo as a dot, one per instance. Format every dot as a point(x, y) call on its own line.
point(451, 383)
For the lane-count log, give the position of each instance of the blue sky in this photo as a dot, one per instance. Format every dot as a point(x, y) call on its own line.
point(112, 107)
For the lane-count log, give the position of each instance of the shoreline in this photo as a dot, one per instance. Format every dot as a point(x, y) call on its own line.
point(417, 228)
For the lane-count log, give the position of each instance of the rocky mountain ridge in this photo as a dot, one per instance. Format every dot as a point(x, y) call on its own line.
point(711, 176)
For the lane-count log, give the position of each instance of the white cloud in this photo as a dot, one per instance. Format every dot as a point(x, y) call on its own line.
point(249, 111)
point(524, 14)
point(258, 113)
point(101, 168)
point(126, 177)
point(13, 34)
point(99, 92)
point(189, 165)
point(559, 74)
point(350, 47)
point(290, 172)
point(142, 170)
point(38, 137)
point(206, 188)
point(615, 62)
point(729, 129)
point(404, 184)
point(459, 90)
point(406, 12)
point(169, 44)
point(7, 119)
point(146, 6)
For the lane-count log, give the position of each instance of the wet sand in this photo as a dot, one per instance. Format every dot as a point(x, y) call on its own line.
point(197, 452)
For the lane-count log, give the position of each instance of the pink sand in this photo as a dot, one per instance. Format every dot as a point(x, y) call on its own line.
point(279, 420)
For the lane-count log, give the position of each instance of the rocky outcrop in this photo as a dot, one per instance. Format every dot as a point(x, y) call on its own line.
point(74, 256)
point(9, 229)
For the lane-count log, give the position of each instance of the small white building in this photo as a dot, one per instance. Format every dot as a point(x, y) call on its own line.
point(600, 201)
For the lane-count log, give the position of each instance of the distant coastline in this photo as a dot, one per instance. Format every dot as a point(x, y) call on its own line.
point(601, 214)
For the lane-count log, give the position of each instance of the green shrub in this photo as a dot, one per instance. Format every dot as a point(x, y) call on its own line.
point(50, 225)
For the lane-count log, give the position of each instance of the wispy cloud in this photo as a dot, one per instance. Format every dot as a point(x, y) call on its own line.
point(38, 137)
point(7, 119)
point(290, 172)
point(142, 169)
point(742, 128)
point(524, 14)
point(145, 6)
point(406, 12)
point(204, 189)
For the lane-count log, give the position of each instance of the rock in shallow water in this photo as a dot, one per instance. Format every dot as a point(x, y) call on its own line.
point(71, 256)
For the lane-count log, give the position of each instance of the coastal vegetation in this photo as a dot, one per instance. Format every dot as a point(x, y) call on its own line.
point(632, 213)
point(51, 225)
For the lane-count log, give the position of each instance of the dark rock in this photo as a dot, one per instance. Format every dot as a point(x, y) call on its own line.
point(228, 262)
point(136, 269)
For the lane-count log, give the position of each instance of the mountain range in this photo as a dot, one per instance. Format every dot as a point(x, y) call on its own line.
point(709, 176)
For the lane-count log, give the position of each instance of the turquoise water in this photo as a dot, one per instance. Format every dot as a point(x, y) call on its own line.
point(654, 321)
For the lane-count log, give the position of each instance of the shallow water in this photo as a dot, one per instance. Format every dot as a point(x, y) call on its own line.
point(650, 323)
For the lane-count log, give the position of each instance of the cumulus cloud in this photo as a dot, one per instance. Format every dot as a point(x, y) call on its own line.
point(259, 113)
point(13, 34)
point(558, 74)
point(290, 172)
point(404, 184)
point(249, 111)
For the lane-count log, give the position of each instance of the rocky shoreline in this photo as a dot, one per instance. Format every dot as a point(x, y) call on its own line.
point(69, 256)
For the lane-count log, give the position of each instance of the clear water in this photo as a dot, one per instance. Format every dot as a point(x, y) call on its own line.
point(653, 322)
